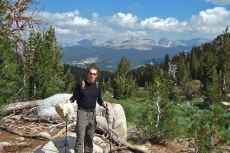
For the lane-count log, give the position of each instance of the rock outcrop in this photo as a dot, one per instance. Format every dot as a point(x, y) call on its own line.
point(116, 122)
point(60, 145)
point(116, 114)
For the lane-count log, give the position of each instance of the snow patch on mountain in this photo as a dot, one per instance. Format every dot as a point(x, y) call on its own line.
point(139, 43)
point(169, 42)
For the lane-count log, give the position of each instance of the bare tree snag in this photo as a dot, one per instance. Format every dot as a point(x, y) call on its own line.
point(172, 70)
point(20, 21)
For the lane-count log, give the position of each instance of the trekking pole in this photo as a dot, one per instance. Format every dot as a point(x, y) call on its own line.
point(66, 136)
point(107, 114)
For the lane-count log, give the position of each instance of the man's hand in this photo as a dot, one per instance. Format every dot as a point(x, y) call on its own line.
point(105, 105)
point(68, 100)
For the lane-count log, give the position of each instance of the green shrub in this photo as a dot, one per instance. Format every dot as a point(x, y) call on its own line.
point(174, 96)
point(200, 103)
point(142, 94)
point(209, 129)
point(154, 130)
point(130, 106)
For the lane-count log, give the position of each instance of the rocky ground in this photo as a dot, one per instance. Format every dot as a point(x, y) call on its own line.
point(19, 144)
point(20, 131)
point(29, 143)
point(13, 143)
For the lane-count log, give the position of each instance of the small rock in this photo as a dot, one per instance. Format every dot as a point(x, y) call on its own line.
point(3, 144)
point(45, 134)
point(21, 139)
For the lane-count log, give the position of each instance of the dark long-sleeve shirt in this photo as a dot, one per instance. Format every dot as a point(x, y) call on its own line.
point(88, 96)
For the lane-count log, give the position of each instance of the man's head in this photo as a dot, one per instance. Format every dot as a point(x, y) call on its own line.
point(92, 75)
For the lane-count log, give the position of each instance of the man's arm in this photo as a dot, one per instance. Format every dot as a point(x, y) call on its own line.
point(100, 101)
point(76, 94)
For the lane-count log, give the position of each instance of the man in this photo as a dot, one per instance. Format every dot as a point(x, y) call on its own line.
point(86, 94)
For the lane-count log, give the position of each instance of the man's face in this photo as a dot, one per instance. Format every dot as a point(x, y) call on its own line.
point(92, 75)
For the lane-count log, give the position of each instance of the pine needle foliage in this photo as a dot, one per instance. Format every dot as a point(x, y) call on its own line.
point(42, 67)
point(9, 72)
point(209, 130)
point(124, 85)
point(156, 119)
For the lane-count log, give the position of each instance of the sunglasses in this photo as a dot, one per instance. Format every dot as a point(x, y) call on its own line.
point(93, 73)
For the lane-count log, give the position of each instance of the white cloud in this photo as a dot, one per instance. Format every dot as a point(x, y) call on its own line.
point(122, 20)
point(219, 2)
point(71, 27)
point(210, 21)
point(64, 31)
point(64, 20)
point(168, 24)
point(95, 16)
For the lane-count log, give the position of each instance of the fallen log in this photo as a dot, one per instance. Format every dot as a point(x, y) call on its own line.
point(62, 132)
point(103, 129)
point(37, 119)
point(127, 146)
point(11, 130)
point(20, 105)
point(119, 142)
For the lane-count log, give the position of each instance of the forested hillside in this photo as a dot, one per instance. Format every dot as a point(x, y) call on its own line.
point(157, 98)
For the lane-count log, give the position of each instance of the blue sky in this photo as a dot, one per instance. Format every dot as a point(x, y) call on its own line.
point(75, 20)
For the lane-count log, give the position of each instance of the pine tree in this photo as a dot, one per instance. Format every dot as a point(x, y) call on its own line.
point(209, 130)
point(69, 79)
point(224, 62)
point(124, 84)
point(182, 72)
point(9, 72)
point(157, 115)
point(54, 71)
point(166, 63)
point(193, 65)
point(9, 65)
point(183, 76)
point(209, 80)
point(42, 67)
point(70, 82)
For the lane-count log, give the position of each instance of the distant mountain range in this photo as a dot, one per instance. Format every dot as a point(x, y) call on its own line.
point(139, 51)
